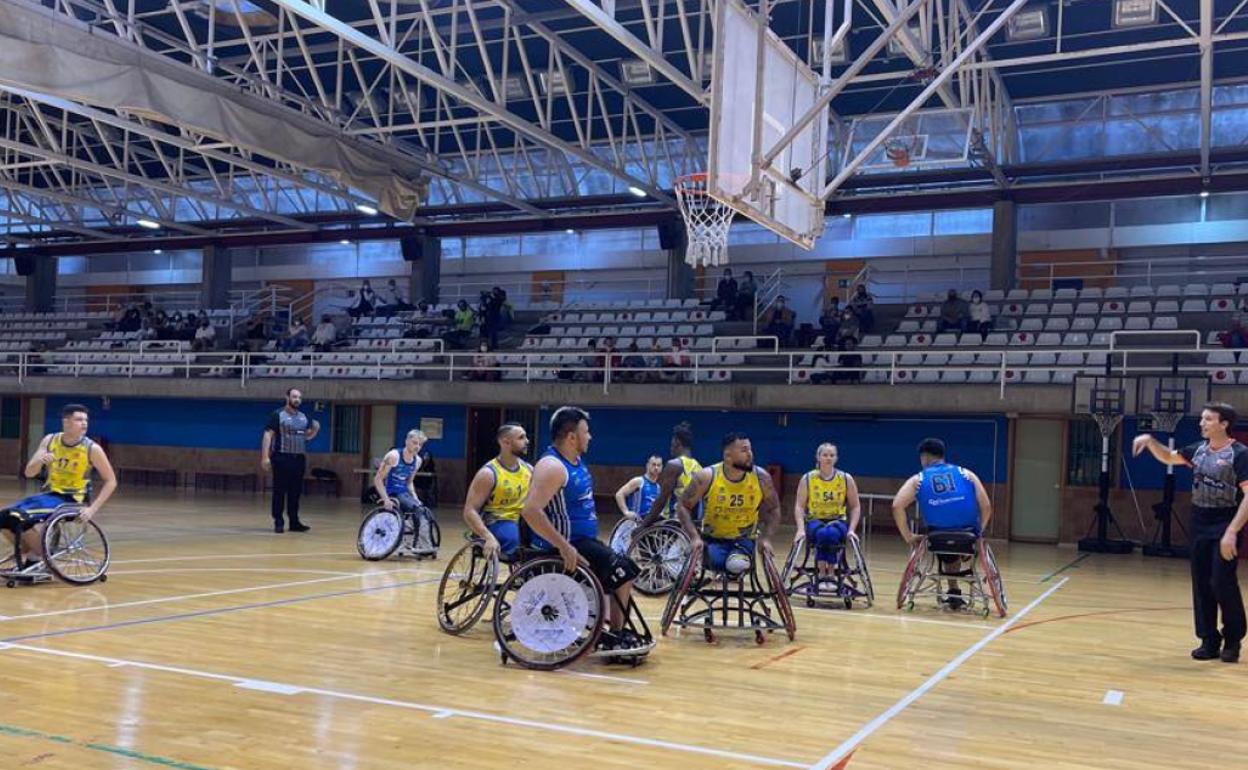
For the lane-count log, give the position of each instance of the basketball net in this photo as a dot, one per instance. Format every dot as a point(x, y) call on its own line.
point(1107, 422)
point(707, 222)
point(1166, 422)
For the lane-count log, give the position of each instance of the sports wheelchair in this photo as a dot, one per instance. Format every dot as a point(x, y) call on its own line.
point(544, 618)
point(384, 531)
point(721, 601)
point(74, 551)
point(659, 550)
point(850, 580)
point(938, 557)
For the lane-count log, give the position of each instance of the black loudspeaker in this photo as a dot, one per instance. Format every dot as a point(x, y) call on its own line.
point(416, 248)
point(25, 264)
point(672, 235)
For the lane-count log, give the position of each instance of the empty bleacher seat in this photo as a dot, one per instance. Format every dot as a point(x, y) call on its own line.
point(1087, 308)
point(1222, 304)
point(1022, 339)
point(872, 341)
point(1075, 340)
point(1196, 290)
point(1084, 324)
point(1065, 294)
point(1189, 306)
point(1165, 323)
point(1169, 290)
point(1142, 292)
point(1057, 325)
point(1111, 324)
point(1139, 307)
point(908, 327)
point(946, 340)
point(994, 295)
point(1136, 324)
point(1017, 295)
point(1049, 340)
point(1091, 292)
point(1031, 325)
point(1222, 290)
point(1116, 292)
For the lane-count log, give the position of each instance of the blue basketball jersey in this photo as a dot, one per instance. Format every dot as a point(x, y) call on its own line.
point(946, 498)
point(571, 510)
point(643, 498)
point(397, 478)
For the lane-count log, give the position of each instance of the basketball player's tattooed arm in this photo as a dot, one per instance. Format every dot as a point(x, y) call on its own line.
point(40, 458)
point(768, 509)
point(693, 494)
point(549, 477)
point(667, 485)
point(478, 493)
point(901, 501)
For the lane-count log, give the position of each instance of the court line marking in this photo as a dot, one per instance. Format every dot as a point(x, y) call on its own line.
point(203, 595)
point(602, 677)
point(228, 569)
point(437, 712)
point(1072, 564)
point(63, 740)
point(777, 658)
point(852, 742)
point(232, 556)
point(1112, 698)
point(214, 611)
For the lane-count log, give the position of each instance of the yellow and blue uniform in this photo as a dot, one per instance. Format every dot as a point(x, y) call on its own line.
point(501, 512)
point(730, 515)
point(689, 467)
point(69, 481)
point(827, 511)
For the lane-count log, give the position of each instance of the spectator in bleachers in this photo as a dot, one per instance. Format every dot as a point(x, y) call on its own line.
point(955, 313)
point(655, 360)
point(848, 360)
point(981, 316)
point(589, 365)
point(392, 300)
point(131, 321)
point(256, 334)
point(205, 336)
point(463, 321)
point(484, 365)
point(863, 305)
point(676, 358)
point(830, 319)
point(850, 329)
point(725, 293)
point(634, 361)
point(745, 297)
point(779, 321)
point(364, 301)
point(160, 325)
point(325, 335)
point(147, 331)
point(491, 315)
point(295, 338)
point(1237, 335)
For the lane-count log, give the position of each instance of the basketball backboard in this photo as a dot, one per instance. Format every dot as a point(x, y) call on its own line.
point(759, 89)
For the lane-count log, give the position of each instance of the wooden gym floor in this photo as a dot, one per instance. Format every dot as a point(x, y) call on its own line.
point(217, 644)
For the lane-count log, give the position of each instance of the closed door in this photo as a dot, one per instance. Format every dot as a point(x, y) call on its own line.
point(1037, 480)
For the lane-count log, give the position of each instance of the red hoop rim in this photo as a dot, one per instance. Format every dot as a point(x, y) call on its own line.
point(692, 184)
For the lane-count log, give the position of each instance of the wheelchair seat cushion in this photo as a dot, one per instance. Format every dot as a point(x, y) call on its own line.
point(952, 541)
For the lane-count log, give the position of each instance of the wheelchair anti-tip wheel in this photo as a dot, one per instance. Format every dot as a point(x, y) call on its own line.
point(545, 618)
point(380, 534)
point(466, 588)
point(74, 550)
point(661, 553)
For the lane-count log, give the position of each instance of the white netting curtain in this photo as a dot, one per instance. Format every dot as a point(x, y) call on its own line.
point(707, 222)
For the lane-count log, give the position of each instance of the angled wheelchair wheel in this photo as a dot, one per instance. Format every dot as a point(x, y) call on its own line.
point(74, 550)
point(661, 553)
point(435, 532)
point(545, 618)
point(910, 577)
point(858, 564)
point(693, 568)
point(780, 596)
point(992, 578)
point(793, 563)
point(466, 588)
point(622, 536)
point(380, 534)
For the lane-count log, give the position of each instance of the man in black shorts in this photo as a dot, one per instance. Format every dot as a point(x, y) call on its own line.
point(560, 511)
point(1219, 465)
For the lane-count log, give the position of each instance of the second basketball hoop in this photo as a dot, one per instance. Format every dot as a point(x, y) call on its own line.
point(707, 221)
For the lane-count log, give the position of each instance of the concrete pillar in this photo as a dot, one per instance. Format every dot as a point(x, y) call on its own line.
point(425, 255)
point(1003, 266)
point(214, 287)
point(40, 275)
point(674, 240)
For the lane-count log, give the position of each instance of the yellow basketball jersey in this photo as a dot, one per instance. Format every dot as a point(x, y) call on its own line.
point(731, 506)
point(689, 467)
point(825, 499)
point(510, 489)
point(70, 473)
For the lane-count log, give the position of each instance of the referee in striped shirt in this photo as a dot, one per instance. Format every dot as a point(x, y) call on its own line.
point(284, 448)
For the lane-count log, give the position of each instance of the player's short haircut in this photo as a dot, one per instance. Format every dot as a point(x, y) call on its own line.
point(1226, 413)
point(933, 447)
point(732, 438)
point(507, 428)
point(564, 421)
point(416, 433)
point(683, 433)
point(69, 410)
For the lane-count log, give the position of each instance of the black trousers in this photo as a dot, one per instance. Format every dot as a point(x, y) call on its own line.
point(288, 472)
point(1215, 586)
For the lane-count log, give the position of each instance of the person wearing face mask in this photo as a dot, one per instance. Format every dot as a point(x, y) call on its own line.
point(981, 316)
point(779, 320)
point(484, 366)
point(955, 314)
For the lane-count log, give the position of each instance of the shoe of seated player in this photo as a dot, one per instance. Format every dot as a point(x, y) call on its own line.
point(954, 598)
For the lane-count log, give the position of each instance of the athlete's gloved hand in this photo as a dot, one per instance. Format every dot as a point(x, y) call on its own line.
point(569, 555)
